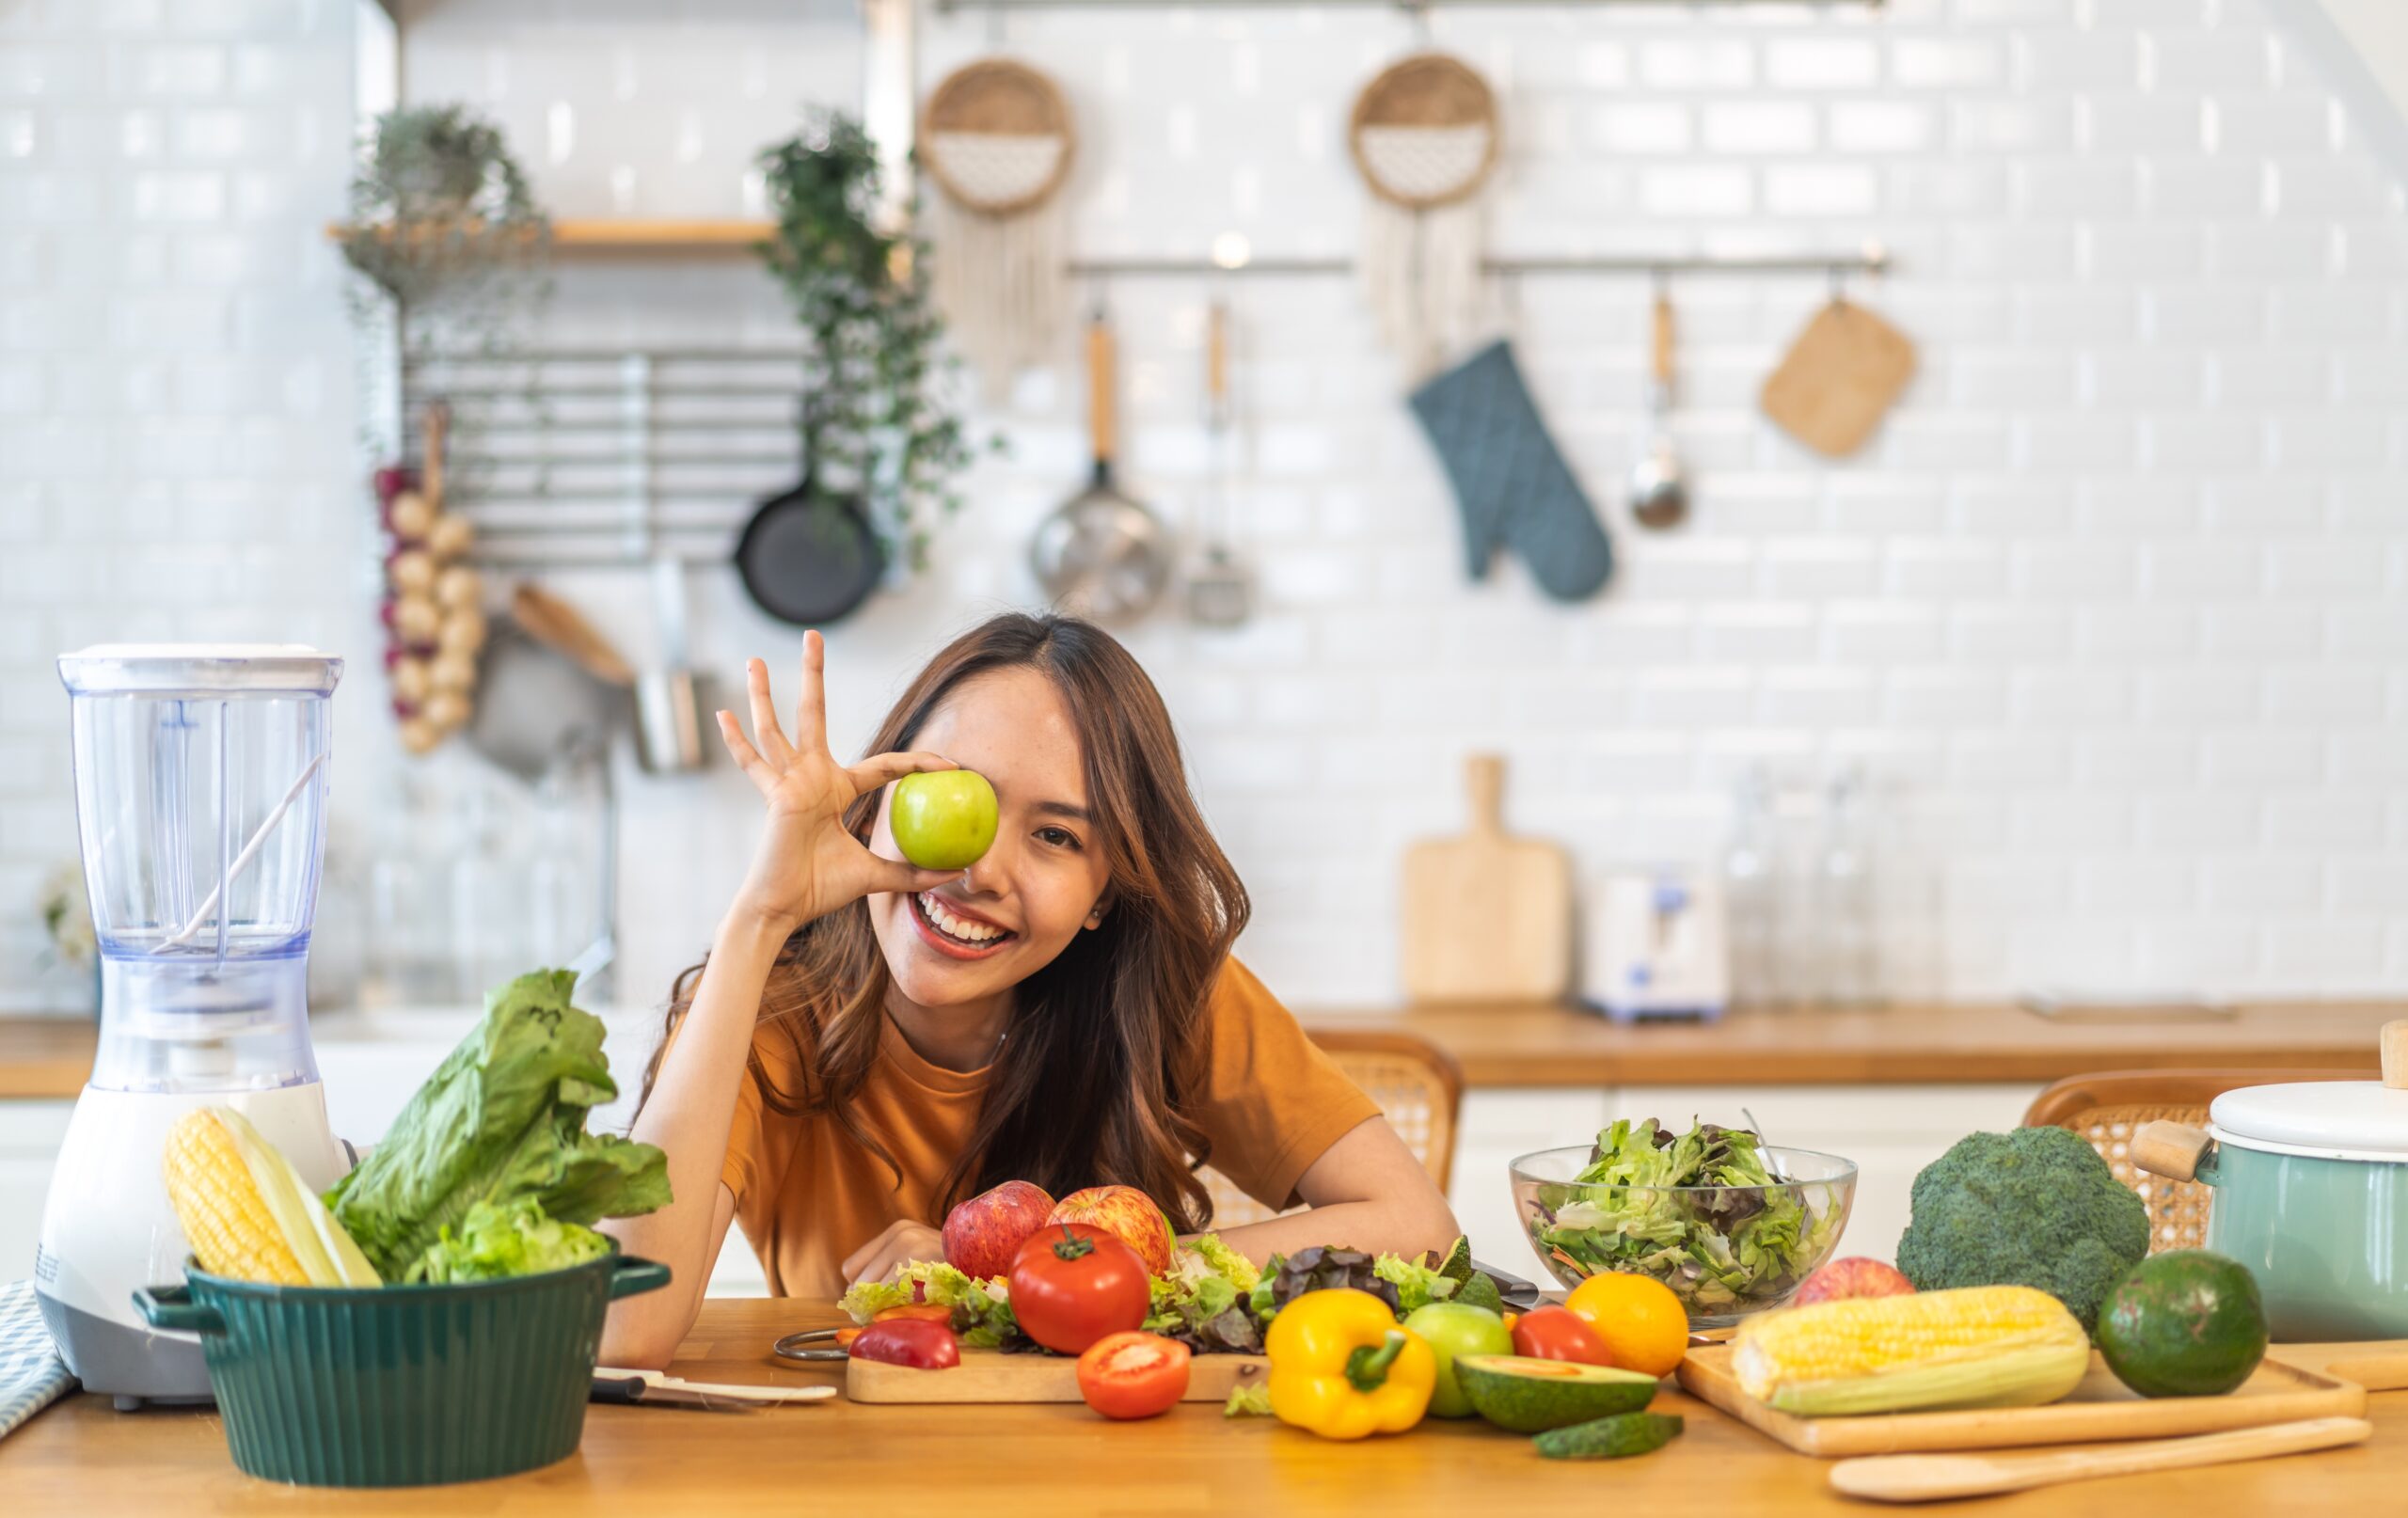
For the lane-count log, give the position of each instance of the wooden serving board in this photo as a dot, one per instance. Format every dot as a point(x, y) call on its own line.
point(1487, 915)
point(2102, 1408)
point(991, 1376)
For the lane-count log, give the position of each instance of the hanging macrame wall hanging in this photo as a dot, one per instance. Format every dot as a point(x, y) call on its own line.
point(996, 136)
point(1424, 134)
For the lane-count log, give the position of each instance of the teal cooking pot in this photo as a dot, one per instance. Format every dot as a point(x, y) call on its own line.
point(2311, 1193)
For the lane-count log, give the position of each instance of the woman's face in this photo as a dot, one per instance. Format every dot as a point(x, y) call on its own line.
point(1006, 916)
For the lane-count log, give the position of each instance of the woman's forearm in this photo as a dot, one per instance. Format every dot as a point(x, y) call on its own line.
point(1380, 1227)
point(688, 1117)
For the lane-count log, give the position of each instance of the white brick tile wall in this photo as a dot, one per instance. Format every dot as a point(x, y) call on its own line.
point(2114, 595)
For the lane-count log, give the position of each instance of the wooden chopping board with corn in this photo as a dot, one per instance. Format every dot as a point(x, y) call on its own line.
point(1975, 1367)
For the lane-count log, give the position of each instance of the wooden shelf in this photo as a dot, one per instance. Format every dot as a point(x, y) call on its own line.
point(628, 238)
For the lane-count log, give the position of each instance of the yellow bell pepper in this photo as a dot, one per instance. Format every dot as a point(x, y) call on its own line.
point(1342, 1366)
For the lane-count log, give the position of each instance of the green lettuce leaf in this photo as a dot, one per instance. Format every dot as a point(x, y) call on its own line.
point(514, 1239)
point(502, 1118)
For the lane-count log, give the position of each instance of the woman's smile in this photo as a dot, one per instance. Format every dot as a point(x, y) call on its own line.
point(953, 929)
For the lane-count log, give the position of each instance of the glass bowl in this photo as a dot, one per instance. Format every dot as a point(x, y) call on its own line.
point(1708, 1243)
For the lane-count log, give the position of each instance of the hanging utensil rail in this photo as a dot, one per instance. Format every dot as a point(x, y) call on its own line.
point(584, 458)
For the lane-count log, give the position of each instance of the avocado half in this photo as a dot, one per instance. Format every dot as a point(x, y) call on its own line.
point(1532, 1395)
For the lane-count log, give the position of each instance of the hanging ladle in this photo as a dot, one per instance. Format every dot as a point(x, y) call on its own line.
point(1659, 491)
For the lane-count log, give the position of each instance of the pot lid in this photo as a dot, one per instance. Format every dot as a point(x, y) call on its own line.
point(2363, 1117)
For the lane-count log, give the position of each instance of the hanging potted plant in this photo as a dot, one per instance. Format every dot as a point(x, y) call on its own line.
point(879, 437)
point(440, 213)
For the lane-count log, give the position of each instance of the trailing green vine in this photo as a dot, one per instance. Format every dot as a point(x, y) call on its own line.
point(874, 420)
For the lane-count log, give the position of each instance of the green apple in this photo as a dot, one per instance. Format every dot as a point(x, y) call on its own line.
point(944, 820)
point(1454, 1328)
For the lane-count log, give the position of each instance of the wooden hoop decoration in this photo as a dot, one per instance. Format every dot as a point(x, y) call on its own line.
point(1424, 132)
point(997, 138)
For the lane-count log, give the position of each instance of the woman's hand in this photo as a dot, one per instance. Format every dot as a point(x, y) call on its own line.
point(903, 1241)
point(807, 866)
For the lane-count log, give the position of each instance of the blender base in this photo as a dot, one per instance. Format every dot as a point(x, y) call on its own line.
point(104, 1355)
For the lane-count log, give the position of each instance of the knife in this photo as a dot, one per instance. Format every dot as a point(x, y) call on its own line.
point(657, 1388)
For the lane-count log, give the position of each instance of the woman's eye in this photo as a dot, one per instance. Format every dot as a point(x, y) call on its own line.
point(1058, 837)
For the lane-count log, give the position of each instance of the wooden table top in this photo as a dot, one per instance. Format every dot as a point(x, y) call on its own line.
point(1903, 1043)
point(80, 1456)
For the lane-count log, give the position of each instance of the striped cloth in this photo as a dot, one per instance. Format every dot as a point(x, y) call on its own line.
point(31, 1374)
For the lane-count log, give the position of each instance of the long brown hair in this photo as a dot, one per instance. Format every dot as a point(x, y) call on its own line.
point(1109, 1041)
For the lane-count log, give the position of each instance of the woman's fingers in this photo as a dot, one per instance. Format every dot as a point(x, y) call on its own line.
point(899, 1243)
point(747, 758)
point(900, 876)
point(879, 769)
point(767, 736)
point(811, 708)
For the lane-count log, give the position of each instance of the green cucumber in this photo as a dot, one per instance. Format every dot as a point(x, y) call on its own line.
point(1624, 1433)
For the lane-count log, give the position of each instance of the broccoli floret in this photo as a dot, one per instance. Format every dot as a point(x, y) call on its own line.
point(2036, 1206)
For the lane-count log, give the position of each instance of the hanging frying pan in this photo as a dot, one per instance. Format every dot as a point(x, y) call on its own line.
point(1101, 554)
point(809, 557)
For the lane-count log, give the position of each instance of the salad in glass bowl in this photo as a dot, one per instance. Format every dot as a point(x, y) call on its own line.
point(1731, 1224)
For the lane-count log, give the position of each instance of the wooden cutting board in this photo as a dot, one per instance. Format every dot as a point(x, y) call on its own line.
point(1838, 379)
point(1487, 915)
point(2102, 1408)
point(991, 1376)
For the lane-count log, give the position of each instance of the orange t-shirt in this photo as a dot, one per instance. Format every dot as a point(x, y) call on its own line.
point(807, 1194)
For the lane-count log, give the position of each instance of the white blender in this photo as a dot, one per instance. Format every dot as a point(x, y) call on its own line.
point(201, 789)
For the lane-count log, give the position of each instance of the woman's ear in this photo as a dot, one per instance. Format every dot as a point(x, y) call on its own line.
point(1095, 915)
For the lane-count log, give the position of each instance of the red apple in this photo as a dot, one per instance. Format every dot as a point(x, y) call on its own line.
point(1855, 1276)
point(983, 1234)
point(1129, 1215)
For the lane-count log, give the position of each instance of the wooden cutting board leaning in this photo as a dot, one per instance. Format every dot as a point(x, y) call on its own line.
point(2100, 1409)
point(991, 1376)
point(1487, 915)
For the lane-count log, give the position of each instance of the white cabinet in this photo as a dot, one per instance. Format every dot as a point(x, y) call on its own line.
point(1891, 1132)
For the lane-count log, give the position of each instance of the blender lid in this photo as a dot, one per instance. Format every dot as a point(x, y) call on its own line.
point(161, 668)
point(2342, 1120)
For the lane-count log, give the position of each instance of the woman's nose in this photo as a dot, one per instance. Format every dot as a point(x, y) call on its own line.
point(986, 873)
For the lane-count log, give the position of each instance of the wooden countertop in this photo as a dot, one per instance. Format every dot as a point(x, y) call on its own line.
point(1901, 1044)
point(1001, 1462)
point(1554, 1046)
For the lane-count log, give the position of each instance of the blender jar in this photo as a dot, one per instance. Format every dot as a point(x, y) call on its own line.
point(200, 793)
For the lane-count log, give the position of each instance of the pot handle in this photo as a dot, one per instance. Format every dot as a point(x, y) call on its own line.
point(172, 1306)
point(630, 1276)
point(2170, 1150)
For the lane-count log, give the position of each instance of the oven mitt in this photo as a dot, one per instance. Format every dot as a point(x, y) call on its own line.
point(1511, 483)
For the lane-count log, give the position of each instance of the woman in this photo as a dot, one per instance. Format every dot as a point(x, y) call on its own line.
point(868, 1043)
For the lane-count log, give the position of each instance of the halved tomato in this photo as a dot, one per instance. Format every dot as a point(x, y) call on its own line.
point(1134, 1375)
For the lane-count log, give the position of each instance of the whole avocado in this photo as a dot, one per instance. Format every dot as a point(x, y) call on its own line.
point(2036, 1207)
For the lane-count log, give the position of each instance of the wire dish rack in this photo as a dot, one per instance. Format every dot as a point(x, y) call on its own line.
point(566, 458)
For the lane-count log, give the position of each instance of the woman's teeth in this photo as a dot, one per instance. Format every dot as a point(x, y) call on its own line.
point(960, 927)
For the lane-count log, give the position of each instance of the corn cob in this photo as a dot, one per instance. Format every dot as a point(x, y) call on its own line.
point(1984, 1345)
point(226, 1219)
point(246, 1212)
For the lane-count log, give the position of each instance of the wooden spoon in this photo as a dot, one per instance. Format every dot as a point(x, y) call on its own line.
point(557, 626)
point(1931, 1478)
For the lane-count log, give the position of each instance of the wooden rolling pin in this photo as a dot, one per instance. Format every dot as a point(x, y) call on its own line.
point(1933, 1478)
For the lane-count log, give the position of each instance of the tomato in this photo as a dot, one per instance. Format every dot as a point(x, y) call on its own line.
point(1557, 1334)
point(1134, 1375)
point(1071, 1285)
point(926, 1311)
point(907, 1341)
